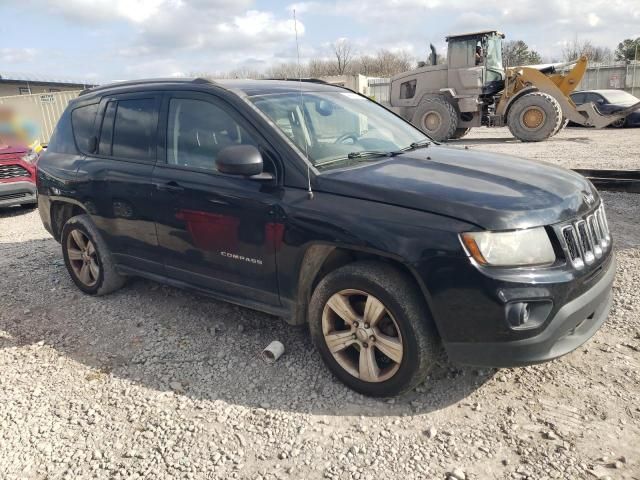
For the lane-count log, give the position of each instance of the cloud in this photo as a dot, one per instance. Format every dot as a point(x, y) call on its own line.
point(162, 37)
point(541, 22)
point(17, 55)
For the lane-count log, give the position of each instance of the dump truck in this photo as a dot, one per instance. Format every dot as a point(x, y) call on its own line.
point(475, 89)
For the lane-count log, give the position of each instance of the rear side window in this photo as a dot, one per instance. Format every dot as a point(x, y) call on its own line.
point(128, 129)
point(134, 129)
point(82, 120)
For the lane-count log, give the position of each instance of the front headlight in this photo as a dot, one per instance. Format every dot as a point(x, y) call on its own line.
point(510, 249)
point(30, 157)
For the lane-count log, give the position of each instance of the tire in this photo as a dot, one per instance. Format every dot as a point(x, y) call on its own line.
point(563, 124)
point(406, 322)
point(99, 266)
point(543, 120)
point(459, 133)
point(436, 117)
point(620, 123)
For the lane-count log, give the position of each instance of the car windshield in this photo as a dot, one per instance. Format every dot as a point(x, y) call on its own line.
point(620, 98)
point(334, 127)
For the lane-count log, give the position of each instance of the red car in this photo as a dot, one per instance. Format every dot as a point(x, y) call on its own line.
point(17, 175)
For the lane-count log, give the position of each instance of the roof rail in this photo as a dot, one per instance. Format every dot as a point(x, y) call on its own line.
point(129, 83)
point(306, 80)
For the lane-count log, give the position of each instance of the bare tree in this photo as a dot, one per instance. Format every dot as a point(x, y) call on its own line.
point(383, 64)
point(343, 52)
point(284, 71)
point(576, 48)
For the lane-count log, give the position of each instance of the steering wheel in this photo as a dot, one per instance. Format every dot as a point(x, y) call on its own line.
point(346, 136)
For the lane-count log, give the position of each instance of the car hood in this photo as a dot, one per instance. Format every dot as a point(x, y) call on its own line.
point(9, 150)
point(490, 190)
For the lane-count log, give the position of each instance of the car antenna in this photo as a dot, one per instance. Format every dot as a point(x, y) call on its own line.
point(306, 152)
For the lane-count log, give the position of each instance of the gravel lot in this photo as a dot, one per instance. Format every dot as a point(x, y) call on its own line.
point(573, 147)
point(154, 382)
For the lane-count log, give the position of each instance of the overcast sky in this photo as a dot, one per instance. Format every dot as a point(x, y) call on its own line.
point(106, 40)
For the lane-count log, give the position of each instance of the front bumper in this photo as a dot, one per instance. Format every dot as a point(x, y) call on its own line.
point(17, 193)
point(573, 324)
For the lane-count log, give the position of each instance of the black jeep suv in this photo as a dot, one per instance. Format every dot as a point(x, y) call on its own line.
point(313, 203)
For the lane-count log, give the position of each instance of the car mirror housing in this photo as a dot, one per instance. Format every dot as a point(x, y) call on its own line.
point(244, 160)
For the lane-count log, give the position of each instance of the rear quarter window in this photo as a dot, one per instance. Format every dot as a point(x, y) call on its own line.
point(82, 120)
point(61, 140)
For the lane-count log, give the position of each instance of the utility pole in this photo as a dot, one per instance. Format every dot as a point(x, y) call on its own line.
point(635, 65)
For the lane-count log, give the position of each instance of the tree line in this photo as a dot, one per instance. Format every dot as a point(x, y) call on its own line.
point(344, 60)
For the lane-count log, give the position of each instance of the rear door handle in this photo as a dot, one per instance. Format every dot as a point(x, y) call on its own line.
point(169, 187)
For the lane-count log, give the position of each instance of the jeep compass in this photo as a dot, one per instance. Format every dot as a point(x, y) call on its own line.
point(316, 204)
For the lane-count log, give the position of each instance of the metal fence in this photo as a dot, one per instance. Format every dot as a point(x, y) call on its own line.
point(624, 76)
point(43, 109)
point(379, 89)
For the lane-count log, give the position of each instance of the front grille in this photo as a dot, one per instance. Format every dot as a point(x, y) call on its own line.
point(12, 196)
point(12, 171)
point(585, 239)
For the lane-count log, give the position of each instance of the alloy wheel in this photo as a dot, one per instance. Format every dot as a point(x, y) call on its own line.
point(83, 257)
point(362, 335)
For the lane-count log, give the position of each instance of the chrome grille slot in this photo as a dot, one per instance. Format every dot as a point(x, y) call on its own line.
point(571, 242)
point(585, 239)
point(594, 232)
point(585, 242)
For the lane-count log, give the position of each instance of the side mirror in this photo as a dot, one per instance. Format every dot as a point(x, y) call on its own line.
point(243, 160)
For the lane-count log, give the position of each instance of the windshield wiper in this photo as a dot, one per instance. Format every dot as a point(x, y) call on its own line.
point(369, 153)
point(356, 155)
point(413, 146)
point(375, 153)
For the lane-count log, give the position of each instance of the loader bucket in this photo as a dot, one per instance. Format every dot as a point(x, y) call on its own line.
point(593, 118)
point(585, 114)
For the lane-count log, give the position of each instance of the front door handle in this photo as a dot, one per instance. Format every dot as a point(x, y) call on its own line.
point(169, 187)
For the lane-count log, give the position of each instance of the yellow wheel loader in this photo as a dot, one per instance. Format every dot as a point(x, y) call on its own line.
point(474, 89)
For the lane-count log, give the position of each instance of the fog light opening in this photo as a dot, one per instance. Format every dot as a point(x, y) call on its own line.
point(523, 315)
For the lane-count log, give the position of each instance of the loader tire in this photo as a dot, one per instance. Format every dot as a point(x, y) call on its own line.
point(563, 124)
point(436, 117)
point(534, 117)
point(459, 133)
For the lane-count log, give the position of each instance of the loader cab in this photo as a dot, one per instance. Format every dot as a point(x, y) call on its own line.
point(475, 63)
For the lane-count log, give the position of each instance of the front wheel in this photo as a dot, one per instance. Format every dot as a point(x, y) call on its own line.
point(373, 329)
point(534, 117)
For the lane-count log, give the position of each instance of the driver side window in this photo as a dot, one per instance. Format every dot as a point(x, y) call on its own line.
point(198, 130)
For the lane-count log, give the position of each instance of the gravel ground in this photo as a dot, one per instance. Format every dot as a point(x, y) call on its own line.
point(573, 147)
point(154, 382)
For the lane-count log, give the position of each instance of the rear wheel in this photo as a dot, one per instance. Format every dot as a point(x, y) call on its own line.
point(534, 117)
point(459, 133)
point(87, 257)
point(373, 329)
point(436, 117)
